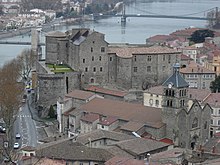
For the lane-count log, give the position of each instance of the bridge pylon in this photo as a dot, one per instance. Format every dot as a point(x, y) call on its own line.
point(123, 17)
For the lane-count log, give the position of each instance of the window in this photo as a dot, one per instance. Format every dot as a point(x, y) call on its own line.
point(218, 122)
point(195, 123)
point(157, 103)
point(94, 69)
point(103, 126)
point(92, 58)
point(163, 68)
point(211, 121)
point(211, 111)
point(135, 58)
point(100, 69)
point(84, 60)
point(91, 49)
point(205, 125)
point(148, 68)
point(102, 49)
point(135, 69)
point(151, 101)
point(169, 57)
point(148, 58)
point(86, 69)
point(110, 58)
point(100, 58)
point(164, 57)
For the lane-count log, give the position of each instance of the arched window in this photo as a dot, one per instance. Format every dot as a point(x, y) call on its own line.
point(166, 92)
point(92, 80)
point(195, 122)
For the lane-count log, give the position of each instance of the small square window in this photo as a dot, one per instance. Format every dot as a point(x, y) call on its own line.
point(135, 69)
point(102, 49)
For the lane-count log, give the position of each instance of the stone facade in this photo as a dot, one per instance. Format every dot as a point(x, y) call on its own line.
point(101, 63)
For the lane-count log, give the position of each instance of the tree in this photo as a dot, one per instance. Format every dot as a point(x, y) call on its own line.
point(51, 113)
point(199, 35)
point(215, 85)
point(26, 62)
point(11, 92)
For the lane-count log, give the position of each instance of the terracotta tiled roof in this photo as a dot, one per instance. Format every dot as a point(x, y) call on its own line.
point(90, 117)
point(158, 90)
point(108, 120)
point(161, 38)
point(172, 153)
point(185, 32)
point(80, 94)
point(132, 126)
point(128, 52)
point(124, 161)
point(213, 100)
point(140, 145)
point(125, 111)
point(185, 57)
point(195, 68)
point(198, 94)
point(166, 140)
point(66, 149)
point(106, 91)
point(102, 134)
point(68, 112)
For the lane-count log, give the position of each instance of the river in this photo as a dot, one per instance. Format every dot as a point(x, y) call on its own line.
point(136, 30)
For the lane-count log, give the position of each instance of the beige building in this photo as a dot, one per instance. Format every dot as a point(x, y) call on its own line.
point(197, 76)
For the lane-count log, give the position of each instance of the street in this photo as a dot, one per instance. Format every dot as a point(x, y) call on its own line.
point(26, 127)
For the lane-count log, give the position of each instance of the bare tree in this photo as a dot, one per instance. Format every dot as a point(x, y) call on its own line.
point(10, 99)
point(26, 62)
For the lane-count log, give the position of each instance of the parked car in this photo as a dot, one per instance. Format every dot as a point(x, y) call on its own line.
point(16, 145)
point(2, 129)
point(17, 136)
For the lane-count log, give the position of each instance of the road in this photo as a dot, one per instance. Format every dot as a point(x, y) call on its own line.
point(26, 127)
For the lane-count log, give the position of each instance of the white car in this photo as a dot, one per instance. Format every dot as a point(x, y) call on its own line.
point(17, 136)
point(16, 145)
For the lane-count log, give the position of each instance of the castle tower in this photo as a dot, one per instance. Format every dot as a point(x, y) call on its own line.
point(175, 98)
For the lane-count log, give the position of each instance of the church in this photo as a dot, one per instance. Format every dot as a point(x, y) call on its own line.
point(188, 126)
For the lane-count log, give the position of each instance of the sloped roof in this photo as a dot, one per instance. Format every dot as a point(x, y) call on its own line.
point(128, 52)
point(80, 94)
point(125, 111)
point(68, 150)
point(106, 91)
point(91, 117)
point(195, 68)
point(125, 161)
point(213, 100)
point(141, 145)
point(56, 34)
point(176, 79)
point(102, 134)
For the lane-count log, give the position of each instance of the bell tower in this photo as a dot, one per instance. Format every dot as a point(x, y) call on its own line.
point(175, 98)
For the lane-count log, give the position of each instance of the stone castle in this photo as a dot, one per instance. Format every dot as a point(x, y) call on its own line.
point(95, 62)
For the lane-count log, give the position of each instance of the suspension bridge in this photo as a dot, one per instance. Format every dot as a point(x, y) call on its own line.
point(147, 14)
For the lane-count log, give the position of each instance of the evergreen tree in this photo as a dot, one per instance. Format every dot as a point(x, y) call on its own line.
point(51, 113)
point(215, 85)
point(199, 35)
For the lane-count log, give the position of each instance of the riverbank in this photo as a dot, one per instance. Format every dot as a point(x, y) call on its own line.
point(16, 32)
